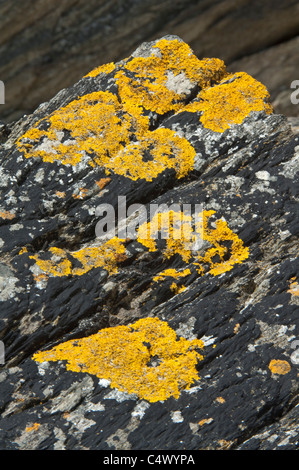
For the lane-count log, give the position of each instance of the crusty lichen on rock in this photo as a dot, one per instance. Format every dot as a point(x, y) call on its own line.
point(230, 101)
point(144, 358)
point(217, 259)
point(113, 130)
point(106, 256)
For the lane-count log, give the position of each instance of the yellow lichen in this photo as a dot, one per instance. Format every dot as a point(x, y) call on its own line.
point(280, 367)
point(116, 134)
point(103, 182)
point(294, 287)
point(81, 194)
point(101, 133)
point(60, 194)
point(180, 236)
point(105, 68)
point(33, 427)
point(150, 86)
point(220, 400)
point(113, 131)
point(176, 229)
point(176, 289)
point(172, 273)
point(215, 256)
point(230, 101)
point(165, 150)
point(144, 358)
point(7, 215)
point(205, 421)
point(60, 263)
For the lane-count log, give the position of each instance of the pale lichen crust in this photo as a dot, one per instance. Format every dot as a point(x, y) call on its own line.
point(114, 130)
point(144, 358)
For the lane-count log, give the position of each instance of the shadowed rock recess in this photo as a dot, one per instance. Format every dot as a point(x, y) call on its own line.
point(151, 342)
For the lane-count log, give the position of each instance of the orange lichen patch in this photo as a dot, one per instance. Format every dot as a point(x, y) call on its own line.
point(279, 367)
point(166, 150)
point(224, 445)
point(218, 237)
point(105, 68)
point(115, 134)
point(60, 194)
point(106, 256)
point(179, 57)
point(176, 289)
point(124, 356)
point(95, 126)
point(174, 273)
point(175, 227)
point(220, 400)
point(205, 421)
point(226, 250)
point(34, 427)
point(23, 250)
point(7, 215)
point(237, 327)
point(230, 101)
point(101, 134)
point(294, 287)
point(103, 182)
point(113, 131)
point(81, 194)
point(60, 263)
point(40, 278)
point(152, 86)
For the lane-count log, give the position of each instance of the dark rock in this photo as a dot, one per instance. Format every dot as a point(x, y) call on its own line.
point(208, 138)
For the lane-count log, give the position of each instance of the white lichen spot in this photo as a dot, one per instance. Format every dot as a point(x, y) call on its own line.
point(8, 285)
point(179, 84)
point(140, 409)
point(291, 167)
point(193, 389)
point(95, 407)
point(265, 176)
point(15, 227)
point(40, 174)
point(104, 383)
point(120, 396)
point(176, 416)
point(208, 340)
point(186, 329)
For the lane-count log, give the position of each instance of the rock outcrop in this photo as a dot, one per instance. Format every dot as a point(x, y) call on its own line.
point(130, 329)
point(49, 45)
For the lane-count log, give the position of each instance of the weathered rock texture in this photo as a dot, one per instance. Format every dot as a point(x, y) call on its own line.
point(125, 343)
point(47, 45)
